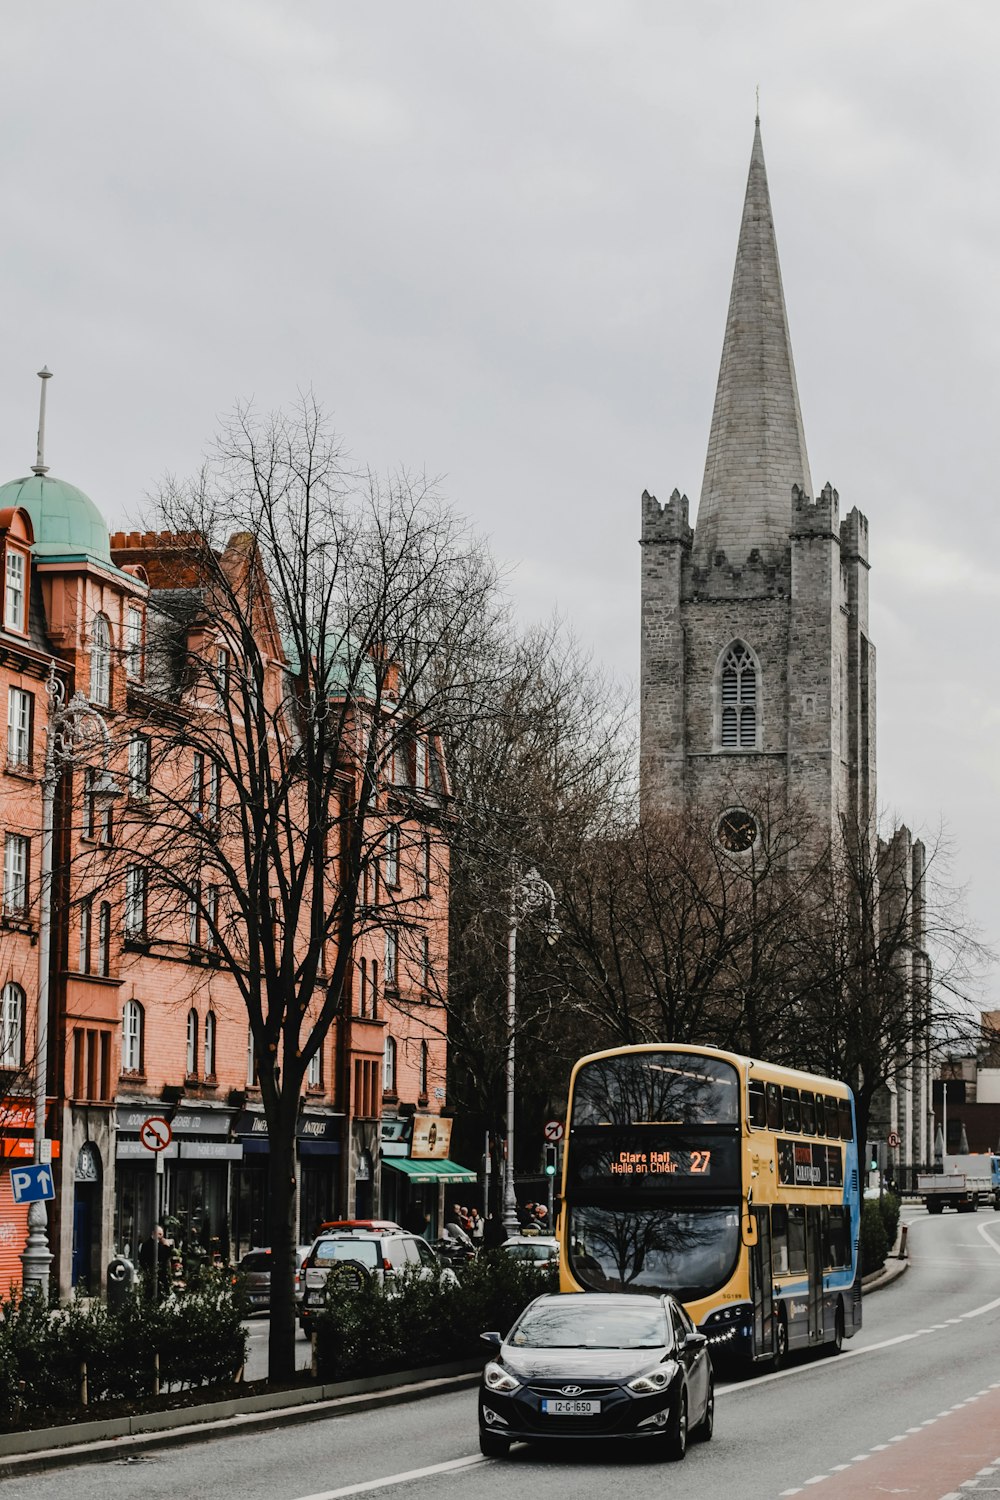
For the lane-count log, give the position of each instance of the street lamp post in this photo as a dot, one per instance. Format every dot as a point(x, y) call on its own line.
point(528, 894)
point(72, 731)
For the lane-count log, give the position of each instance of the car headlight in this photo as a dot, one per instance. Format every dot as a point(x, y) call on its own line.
point(496, 1378)
point(654, 1380)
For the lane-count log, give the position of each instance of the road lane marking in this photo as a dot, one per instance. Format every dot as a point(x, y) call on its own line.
point(404, 1478)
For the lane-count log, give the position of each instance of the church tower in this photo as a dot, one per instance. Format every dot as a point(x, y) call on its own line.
point(756, 664)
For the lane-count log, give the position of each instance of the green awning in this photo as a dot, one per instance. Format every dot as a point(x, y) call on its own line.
point(429, 1171)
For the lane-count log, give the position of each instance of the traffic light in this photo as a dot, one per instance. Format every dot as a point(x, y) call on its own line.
point(551, 1160)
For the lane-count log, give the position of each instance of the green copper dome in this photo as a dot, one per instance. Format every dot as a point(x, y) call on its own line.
point(67, 523)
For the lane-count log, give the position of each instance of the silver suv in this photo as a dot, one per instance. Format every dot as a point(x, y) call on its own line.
point(357, 1256)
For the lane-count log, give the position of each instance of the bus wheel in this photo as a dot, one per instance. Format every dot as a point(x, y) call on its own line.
point(780, 1342)
point(838, 1334)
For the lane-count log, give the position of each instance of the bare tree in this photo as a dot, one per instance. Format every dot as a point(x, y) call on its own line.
point(308, 640)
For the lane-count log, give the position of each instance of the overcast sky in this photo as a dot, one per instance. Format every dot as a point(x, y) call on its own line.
point(497, 240)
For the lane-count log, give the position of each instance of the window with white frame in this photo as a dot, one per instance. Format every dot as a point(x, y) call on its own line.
point(98, 821)
point(133, 643)
point(20, 705)
point(210, 1025)
point(133, 1039)
point(191, 1058)
point(422, 1081)
point(15, 574)
point(197, 802)
point(425, 864)
point(136, 884)
point(138, 768)
point(389, 1067)
point(391, 957)
point(390, 865)
point(739, 699)
point(420, 763)
point(223, 668)
point(100, 661)
point(194, 918)
point(211, 911)
point(12, 1026)
point(16, 851)
point(314, 1072)
point(213, 779)
point(104, 939)
point(86, 922)
point(251, 1059)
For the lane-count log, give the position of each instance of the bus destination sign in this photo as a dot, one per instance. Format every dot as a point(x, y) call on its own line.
point(661, 1163)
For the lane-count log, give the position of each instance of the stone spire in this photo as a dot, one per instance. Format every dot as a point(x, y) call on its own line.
point(757, 448)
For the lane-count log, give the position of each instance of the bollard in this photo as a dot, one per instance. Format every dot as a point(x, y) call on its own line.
point(83, 1383)
point(156, 1373)
point(313, 1362)
point(902, 1243)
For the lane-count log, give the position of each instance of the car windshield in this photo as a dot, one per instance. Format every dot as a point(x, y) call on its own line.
point(364, 1251)
point(586, 1323)
point(532, 1252)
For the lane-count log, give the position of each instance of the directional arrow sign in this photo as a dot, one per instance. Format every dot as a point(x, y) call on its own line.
point(155, 1133)
point(29, 1184)
point(553, 1130)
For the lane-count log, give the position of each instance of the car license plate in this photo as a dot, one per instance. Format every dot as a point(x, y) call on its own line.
point(571, 1408)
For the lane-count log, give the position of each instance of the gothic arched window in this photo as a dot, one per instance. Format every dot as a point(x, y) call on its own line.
point(739, 699)
point(100, 662)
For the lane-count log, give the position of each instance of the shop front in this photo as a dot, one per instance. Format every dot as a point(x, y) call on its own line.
point(17, 1126)
point(317, 1140)
point(418, 1176)
point(195, 1193)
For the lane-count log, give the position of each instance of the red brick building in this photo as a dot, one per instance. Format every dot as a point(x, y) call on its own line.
point(144, 1018)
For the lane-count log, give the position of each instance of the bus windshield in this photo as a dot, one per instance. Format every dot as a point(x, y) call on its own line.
point(688, 1251)
point(656, 1088)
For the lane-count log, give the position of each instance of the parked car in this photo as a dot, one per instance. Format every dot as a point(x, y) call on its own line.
point(540, 1251)
point(255, 1267)
point(595, 1365)
point(357, 1256)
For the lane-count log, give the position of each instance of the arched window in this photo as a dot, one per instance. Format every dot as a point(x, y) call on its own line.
point(100, 661)
point(389, 1067)
point(192, 1043)
point(423, 1071)
point(133, 1038)
point(12, 1026)
point(739, 699)
point(210, 1024)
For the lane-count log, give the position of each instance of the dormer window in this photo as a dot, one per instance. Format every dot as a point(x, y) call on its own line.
point(15, 590)
point(100, 662)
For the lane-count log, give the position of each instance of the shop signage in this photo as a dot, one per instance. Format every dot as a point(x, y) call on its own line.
point(318, 1127)
point(19, 1114)
point(136, 1151)
point(23, 1147)
point(211, 1151)
point(88, 1164)
point(431, 1138)
point(249, 1123)
point(395, 1130)
point(131, 1117)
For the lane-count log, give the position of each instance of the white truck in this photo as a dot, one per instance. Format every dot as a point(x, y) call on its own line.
point(963, 1183)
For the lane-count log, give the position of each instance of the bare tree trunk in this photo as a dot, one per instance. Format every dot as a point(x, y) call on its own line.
point(281, 1196)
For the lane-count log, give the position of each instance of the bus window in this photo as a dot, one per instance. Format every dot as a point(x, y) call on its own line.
point(757, 1107)
point(807, 1101)
point(779, 1241)
point(832, 1118)
point(840, 1249)
point(820, 1116)
point(774, 1116)
point(846, 1131)
point(796, 1237)
point(656, 1087)
point(790, 1108)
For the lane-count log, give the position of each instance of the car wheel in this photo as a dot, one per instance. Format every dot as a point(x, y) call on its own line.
point(677, 1442)
point(838, 1334)
point(703, 1432)
point(493, 1444)
point(350, 1275)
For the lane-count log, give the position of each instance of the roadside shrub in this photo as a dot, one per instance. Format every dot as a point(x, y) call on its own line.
point(889, 1206)
point(874, 1240)
point(416, 1321)
point(198, 1336)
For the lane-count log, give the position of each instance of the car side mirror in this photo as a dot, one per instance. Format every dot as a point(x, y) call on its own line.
point(493, 1339)
point(695, 1341)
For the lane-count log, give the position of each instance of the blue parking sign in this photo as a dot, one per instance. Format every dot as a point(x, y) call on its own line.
point(29, 1184)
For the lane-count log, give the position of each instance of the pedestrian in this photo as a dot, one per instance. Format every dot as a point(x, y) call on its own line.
point(155, 1255)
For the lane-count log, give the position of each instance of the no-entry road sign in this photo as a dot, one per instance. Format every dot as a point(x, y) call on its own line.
point(893, 1139)
point(30, 1184)
point(155, 1133)
point(554, 1130)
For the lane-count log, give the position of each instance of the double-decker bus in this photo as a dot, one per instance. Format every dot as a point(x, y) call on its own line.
point(727, 1181)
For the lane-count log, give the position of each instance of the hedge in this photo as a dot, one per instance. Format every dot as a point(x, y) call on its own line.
point(417, 1320)
point(197, 1335)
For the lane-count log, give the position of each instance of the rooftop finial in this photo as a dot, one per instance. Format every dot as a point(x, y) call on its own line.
point(40, 466)
point(757, 115)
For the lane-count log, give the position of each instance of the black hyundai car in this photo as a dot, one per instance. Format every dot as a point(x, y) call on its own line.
point(589, 1365)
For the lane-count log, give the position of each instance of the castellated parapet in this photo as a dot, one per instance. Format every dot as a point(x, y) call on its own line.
point(666, 523)
point(854, 537)
point(819, 517)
